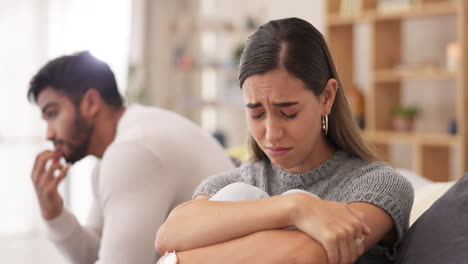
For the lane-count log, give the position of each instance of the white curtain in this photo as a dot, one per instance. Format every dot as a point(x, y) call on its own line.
point(33, 32)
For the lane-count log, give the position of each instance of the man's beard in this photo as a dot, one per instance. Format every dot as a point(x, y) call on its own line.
point(81, 132)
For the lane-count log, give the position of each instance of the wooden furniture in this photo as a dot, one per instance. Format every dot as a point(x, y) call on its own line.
point(434, 155)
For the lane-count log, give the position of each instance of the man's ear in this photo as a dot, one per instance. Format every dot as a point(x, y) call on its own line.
point(91, 103)
point(327, 98)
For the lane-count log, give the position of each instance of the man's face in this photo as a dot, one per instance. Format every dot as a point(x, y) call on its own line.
point(66, 128)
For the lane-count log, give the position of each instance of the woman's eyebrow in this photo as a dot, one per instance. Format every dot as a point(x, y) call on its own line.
point(285, 104)
point(252, 106)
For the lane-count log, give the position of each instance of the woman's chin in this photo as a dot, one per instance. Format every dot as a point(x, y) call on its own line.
point(281, 163)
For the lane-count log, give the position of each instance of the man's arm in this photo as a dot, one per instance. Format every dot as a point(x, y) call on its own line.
point(79, 244)
point(137, 194)
point(270, 246)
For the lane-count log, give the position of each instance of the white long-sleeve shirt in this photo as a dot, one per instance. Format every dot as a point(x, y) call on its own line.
point(155, 163)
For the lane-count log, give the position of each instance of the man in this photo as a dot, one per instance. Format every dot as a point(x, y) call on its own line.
point(150, 161)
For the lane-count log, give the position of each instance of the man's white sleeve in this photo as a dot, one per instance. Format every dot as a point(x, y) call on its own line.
point(79, 244)
point(137, 195)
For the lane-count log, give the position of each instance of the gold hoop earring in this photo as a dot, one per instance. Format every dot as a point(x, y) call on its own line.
point(325, 124)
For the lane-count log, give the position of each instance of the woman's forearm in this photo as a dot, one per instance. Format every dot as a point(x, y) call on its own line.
point(270, 246)
point(201, 223)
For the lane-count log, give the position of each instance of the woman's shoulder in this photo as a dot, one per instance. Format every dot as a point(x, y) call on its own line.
point(377, 176)
point(358, 166)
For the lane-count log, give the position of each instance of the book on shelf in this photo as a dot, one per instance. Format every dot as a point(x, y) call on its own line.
point(388, 6)
point(350, 7)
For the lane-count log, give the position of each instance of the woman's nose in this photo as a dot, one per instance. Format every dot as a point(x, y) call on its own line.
point(274, 130)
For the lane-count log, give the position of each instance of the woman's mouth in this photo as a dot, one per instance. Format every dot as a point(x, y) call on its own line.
point(277, 151)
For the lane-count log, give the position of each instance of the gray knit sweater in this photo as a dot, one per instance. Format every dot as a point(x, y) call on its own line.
point(343, 178)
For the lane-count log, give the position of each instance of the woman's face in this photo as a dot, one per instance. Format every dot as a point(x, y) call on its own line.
point(284, 118)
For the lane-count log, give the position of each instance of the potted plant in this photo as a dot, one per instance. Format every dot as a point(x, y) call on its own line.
point(237, 53)
point(403, 117)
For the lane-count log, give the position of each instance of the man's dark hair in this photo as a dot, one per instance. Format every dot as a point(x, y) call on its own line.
point(73, 75)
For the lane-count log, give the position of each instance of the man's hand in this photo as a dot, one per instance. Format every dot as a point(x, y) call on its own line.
point(46, 183)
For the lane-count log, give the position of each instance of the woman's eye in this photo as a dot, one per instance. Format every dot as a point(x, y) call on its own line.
point(289, 116)
point(258, 115)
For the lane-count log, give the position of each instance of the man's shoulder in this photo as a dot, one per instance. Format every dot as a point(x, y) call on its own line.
point(153, 122)
point(138, 114)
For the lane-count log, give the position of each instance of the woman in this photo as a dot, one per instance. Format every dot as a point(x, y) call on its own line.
point(314, 192)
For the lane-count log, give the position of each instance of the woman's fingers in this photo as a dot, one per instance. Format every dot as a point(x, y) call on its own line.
point(344, 249)
point(341, 248)
point(332, 248)
point(366, 229)
point(339, 228)
point(361, 230)
point(360, 245)
point(346, 242)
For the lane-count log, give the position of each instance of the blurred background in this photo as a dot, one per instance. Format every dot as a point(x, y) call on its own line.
point(182, 55)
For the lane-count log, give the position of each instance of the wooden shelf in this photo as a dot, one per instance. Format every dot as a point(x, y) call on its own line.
point(388, 76)
point(340, 20)
point(427, 139)
point(434, 9)
point(431, 154)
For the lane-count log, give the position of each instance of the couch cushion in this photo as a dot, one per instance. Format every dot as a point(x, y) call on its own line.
point(440, 235)
point(416, 180)
point(426, 196)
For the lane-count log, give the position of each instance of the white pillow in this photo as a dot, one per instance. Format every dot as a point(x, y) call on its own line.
point(425, 196)
point(416, 180)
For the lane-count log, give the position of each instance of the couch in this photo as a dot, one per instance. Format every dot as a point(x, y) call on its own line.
point(438, 231)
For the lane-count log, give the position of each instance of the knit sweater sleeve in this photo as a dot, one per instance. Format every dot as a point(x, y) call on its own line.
point(382, 186)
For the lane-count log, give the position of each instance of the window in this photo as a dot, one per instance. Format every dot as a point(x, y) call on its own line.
point(37, 32)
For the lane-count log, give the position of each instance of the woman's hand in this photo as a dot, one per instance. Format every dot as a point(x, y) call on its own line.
point(338, 227)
